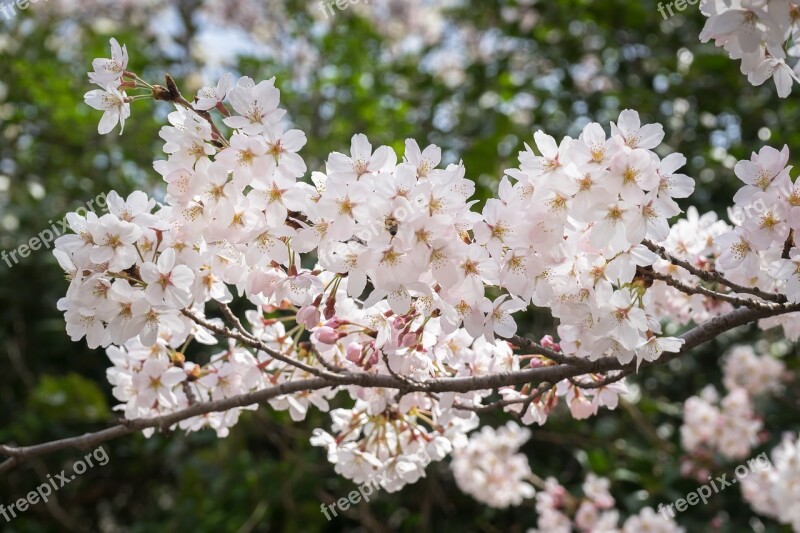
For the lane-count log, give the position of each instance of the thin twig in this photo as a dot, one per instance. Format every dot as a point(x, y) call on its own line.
point(331, 367)
point(537, 349)
point(257, 344)
point(608, 380)
point(713, 276)
point(527, 400)
point(170, 93)
point(689, 289)
point(234, 320)
point(787, 246)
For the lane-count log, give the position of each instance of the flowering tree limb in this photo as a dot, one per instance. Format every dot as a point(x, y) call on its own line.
point(373, 277)
point(545, 376)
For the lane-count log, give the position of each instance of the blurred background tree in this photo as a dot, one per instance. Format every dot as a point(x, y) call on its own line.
point(476, 78)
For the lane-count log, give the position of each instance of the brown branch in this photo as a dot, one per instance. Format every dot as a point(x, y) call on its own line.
point(526, 400)
point(550, 374)
point(608, 380)
point(331, 367)
point(90, 440)
point(257, 344)
point(787, 246)
point(537, 349)
point(234, 320)
point(690, 289)
point(403, 390)
point(713, 276)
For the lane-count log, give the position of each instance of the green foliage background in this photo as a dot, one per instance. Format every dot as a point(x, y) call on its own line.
point(266, 476)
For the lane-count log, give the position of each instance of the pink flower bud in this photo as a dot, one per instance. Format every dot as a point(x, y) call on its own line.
point(327, 335)
point(558, 493)
point(330, 309)
point(308, 316)
point(408, 340)
point(548, 342)
point(373, 359)
point(354, 352)
point(334, 323)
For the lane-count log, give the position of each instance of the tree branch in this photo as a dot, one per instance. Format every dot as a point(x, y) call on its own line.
point(549, 374)
point(90, 440)
point(713, 277)
point(608, 380)
point(689, 289)
point(229, 315)
point(525, 343)
point(252, 342)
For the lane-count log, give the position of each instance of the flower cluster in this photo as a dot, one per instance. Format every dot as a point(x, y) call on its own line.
point(757, 374)
point(757, 33)
point(569, 233)
point(390, 447)
point(490, 469)
point(693, 240)
point(111, 97)
point(774, 491)
point(756, 251)
point(729, 426)
point(561, 512)
point(380, 267)
point(759, 251)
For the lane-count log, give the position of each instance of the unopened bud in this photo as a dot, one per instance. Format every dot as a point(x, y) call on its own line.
point(408, 340)
point(330, 309)
point(373, 359)
point(548, 342)
point(354, 351)
point(335, 323)
point(308, 316)
point(327, 335)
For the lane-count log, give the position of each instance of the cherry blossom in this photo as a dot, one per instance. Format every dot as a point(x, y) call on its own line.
point(114, 105)
point(761, 33)
point(109, 71)
point(382, 266)
point(209, 97)
point(167, 283)
point(490, 469)
point(771, 489)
